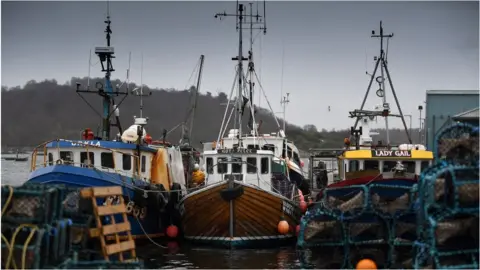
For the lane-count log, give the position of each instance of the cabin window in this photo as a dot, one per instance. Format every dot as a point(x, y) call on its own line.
point(425, 165)
point(251, 165)
point(236, 165)
point(144, 163)
point(126, 162)
point(210, 165)
point(221, 166)
point(107, 160)
point(354, 166)
point(296, 158)
point(390, 165)
point(50, 159)
point(409, 166)
point(66, 156)
point(264, 165)
point(371, 165)
point(84, 157)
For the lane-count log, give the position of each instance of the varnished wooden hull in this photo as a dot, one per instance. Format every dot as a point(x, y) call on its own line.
point(249, 220)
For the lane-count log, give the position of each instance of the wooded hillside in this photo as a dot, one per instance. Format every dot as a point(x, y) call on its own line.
point(41, 111)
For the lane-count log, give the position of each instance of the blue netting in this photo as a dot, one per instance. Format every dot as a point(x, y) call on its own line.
point(457, 144)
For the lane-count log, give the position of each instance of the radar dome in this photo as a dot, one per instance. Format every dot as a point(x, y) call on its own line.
point(130, 135)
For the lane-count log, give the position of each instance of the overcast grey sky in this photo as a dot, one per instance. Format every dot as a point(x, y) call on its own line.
point(327, 49)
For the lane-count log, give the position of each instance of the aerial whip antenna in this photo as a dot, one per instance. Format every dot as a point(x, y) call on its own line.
point(89, 67)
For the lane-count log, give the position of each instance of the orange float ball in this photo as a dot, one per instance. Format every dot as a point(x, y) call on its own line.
point(366, 264)
point(172, 231)
point(303, 206)
point(283, 227)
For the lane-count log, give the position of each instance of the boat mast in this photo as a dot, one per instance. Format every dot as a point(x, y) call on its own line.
point(195, 98)
point(240, 21)
point(382, 62)
point(106, 54)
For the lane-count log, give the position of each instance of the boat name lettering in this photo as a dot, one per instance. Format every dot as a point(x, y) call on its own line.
point(82, 143)
point(237, 151)
point(391, 153)
point(288, 209)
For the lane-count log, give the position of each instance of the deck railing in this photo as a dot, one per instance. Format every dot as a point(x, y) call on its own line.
point(79, 144)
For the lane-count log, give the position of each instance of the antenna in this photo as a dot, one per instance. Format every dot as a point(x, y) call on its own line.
point(138, 91)
point(284, 103)
point(89, 67)
point(241, 21)
point(380, 61)
point(106, 54)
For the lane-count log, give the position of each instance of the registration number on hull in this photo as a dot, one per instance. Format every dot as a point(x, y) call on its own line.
point(288, 208)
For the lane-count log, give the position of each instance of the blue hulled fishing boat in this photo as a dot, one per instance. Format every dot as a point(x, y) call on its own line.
point(150, 173)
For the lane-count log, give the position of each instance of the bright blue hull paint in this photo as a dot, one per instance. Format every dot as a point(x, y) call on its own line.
point(84, 177)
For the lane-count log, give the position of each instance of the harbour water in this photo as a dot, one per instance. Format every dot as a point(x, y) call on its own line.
point(180, 256)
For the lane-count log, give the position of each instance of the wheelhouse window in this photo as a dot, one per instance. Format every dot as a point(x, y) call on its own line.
point(50, 159)
point(296, 158)
point(221, 166)
point(87, 159)
point(371, 165)
point(264, 165)
point(237, 165)
point(209, 165)
point(126, 162)
point(106, 159)
point(409, 166)
point(66, 156)
point(354, 166)
point(144, 163)
point(251, 165)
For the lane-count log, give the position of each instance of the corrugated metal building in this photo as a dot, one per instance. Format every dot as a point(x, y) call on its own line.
point(443, 106)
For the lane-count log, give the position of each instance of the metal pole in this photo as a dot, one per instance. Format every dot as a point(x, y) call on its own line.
point(368, 91)
point(396, 99)
point(420, 108)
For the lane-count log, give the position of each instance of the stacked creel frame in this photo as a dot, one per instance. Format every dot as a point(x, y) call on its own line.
point(375, 221)
point(401, 224)
point(448, 230)
point(47, 226)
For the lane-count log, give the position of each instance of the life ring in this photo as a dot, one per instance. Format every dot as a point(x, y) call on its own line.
point(143, 213)
point(130, 206)
point(136, 211)
point(59, 162)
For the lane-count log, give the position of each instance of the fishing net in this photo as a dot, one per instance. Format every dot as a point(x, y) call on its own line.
point(447, 221)
point(458, 144)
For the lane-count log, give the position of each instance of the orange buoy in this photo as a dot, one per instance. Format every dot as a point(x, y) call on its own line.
point(172, 231)
point(283, 227)
point(366, 264)
point(303, 206)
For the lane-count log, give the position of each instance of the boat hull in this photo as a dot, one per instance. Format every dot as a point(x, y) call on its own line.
point(237, 215)
point(149, 224)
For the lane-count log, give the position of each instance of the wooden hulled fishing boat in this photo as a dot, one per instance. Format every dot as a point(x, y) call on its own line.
point(250, 194)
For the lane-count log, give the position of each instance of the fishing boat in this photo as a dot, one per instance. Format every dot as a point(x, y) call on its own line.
point(16, 158)
point(250, 193)
point(148, 171)
point(391, 170)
